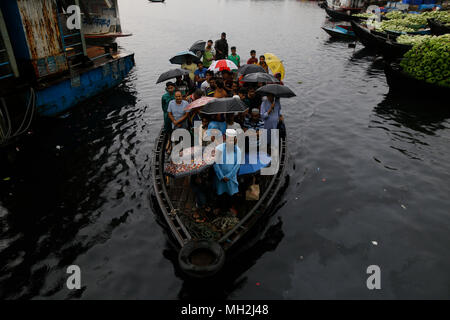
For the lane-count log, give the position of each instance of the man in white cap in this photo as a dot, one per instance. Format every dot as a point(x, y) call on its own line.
point(227, 167)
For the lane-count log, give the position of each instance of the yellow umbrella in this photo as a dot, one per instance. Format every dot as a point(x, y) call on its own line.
point(274, 64)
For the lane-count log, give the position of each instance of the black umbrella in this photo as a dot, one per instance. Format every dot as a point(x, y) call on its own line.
point(171, 74)
point(182, 56)
point(277, 90)
point(250, 68)
point(259, 77)
point(198, 48)
point(224, 105)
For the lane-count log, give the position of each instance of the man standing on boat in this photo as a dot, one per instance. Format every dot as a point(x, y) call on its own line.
point(221, 47)
point(226, 168)
point(191, 67)
point(166, 98)
point(209, 55)
point(176, 111)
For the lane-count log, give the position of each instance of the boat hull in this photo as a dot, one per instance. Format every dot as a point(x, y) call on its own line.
point(341, 16)
point(437, 28)
point(400, 82)
point(340, 34)
point(57, 97)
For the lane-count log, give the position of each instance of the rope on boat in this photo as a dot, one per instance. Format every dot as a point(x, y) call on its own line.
point(5, 125)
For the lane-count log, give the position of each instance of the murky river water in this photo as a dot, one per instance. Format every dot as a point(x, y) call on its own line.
point(369, 173)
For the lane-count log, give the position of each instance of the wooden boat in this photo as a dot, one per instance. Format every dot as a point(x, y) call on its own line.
point(322, 4)
point(437, 28)
point(386, 45)
point(391, 50)
point(202, 254)
point(340, 31)
point(400, 82)
point(341, 15)
point(367, 38)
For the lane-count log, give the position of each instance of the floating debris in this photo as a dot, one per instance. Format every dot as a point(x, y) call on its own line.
point(403, 206)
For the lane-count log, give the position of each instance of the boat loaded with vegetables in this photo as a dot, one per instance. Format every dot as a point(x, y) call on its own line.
point(425, 68)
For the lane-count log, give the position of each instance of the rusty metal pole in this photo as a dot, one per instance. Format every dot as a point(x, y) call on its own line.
point(83, 40)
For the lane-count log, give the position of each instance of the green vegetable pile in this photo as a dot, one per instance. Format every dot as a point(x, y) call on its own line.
point(442, 16)
point(397, 14)
point(429, 60)
point(413, 39)
point(362, 15)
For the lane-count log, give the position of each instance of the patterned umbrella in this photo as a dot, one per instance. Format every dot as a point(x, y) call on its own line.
point(189, 167)
point(199, 103)
point(221, 65)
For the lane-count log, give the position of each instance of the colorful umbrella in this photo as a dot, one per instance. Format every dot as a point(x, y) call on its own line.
point(180, 57)
point(199, 103)
point(172, 74)
point(221, 65)
point(275, 64)
point(189, 167)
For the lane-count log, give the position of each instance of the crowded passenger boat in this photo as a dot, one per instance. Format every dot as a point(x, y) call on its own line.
point(219, 160)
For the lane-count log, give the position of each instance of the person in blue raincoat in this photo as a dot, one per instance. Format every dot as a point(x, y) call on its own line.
point(226, 183)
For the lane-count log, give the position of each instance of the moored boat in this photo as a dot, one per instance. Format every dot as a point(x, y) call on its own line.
point(341, 15)
point(52, 58)
point(401, 82)
point(391, 50)
point(385, 45)
point(203, 249)
point(340, 31)
point(368, 39)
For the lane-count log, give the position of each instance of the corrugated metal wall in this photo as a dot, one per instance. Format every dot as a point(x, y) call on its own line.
point(40, 23)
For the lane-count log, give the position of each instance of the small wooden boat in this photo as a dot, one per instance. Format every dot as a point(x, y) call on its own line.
point(340, 31)
point(322, 4)
point(367, 38)
point(341, 15)
point(437, 28)
point(400, 82)
point(391, 50)
point(384, 44)
point(203, 248)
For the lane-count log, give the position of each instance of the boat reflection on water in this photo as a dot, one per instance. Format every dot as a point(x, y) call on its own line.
point(411, 112)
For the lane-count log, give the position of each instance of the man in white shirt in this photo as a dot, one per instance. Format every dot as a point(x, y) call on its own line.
point(205, 85)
